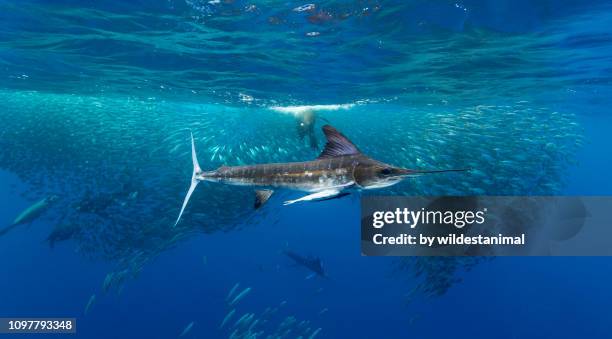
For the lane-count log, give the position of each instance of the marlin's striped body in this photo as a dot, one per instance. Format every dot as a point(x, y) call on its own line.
point(308, 176)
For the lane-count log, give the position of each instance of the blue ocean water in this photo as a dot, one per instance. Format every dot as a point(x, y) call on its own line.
point(97, 100)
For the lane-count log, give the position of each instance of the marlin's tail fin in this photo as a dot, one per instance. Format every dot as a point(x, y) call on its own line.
point(194, 180)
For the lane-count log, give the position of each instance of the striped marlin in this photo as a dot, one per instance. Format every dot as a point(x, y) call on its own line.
point(340, 167)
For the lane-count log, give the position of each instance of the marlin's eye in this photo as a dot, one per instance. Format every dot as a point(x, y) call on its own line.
point(386, 171)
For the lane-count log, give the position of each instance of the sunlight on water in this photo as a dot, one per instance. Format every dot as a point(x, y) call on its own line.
point(232, 51)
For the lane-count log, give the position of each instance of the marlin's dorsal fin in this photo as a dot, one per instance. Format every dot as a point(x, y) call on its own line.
point(337, 144)
point(261, 197)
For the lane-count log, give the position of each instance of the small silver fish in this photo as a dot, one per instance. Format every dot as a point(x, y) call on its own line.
point(90, 303)
point(240, 296)
point(314, 334)
point(227, 317)
point(231, 292)
point(187, 329)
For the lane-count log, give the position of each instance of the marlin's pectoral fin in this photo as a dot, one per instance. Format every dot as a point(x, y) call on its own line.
point(337, 196)
point(261, 197)
point(326, 194)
